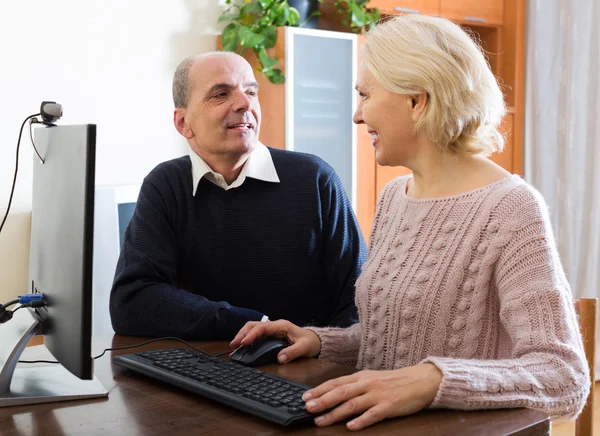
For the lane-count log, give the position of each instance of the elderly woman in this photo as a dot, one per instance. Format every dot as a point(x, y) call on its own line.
point(463, 301)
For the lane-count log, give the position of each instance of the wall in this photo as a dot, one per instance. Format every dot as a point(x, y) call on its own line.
point(107, 62)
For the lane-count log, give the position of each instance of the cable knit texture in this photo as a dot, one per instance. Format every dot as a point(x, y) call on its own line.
point(473, 284)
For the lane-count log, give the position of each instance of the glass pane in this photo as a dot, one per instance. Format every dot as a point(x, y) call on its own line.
point(322, 108)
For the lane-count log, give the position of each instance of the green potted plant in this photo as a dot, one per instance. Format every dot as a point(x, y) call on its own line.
point(254, 26)
point(355, 14)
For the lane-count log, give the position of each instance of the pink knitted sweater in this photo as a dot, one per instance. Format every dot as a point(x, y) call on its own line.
point(473, 284)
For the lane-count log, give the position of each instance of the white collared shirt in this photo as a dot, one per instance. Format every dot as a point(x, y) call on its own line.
point(259, 165)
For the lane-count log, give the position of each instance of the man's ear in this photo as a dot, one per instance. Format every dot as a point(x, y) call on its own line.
point(418, 104)
point(181, 123)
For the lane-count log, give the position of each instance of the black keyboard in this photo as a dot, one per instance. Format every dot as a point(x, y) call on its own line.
point(246, 389)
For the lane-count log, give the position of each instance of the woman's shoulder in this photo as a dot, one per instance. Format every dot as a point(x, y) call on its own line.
point(517, 202)
point(515, 193)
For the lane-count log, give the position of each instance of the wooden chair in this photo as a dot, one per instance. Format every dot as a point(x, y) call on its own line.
point(587, 309)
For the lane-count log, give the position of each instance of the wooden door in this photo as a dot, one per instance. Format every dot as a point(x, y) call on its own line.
point(424, 7)
point(486, 12)
point(366, 197)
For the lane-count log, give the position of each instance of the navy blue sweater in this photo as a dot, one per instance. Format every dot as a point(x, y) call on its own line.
point(200, 267)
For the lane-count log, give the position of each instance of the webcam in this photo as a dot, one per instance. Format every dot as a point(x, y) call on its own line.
point(50, 111)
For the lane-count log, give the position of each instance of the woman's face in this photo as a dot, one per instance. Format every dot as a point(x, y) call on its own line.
point(388, 118)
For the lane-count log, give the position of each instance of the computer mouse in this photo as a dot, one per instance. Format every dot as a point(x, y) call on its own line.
point(262, 352)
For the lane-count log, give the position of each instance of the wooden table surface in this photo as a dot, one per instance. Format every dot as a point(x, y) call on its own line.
point(137, 405)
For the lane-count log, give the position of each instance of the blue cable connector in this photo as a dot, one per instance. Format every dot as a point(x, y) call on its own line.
point(23, 299)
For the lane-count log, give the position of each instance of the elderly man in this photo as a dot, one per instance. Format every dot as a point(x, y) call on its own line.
point(235, 231)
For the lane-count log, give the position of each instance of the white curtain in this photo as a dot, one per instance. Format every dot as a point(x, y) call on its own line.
point(562, 130)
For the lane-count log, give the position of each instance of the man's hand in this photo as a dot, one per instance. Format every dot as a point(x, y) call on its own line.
point(374, 395)
point(303, 342)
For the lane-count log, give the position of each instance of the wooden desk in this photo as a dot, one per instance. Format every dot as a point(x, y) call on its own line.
point(137, 405)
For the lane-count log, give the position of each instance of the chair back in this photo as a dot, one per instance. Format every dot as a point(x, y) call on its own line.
point(587, 310)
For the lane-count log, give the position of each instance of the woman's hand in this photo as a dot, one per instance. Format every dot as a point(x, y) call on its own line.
point(374, 395)
point(303, 342)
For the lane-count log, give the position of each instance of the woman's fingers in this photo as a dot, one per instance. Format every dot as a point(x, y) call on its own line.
point(302, 342)
point(374, 395)
point(254, 330)
point(236, 342)
point(297, 349)
point(351, 407)
point(315, 394)
point(373, 415)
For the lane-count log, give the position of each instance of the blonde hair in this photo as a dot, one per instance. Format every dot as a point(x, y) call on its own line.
point(415, 53)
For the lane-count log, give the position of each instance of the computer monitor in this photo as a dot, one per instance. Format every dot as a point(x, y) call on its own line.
point(114, 207)
point(60, 268)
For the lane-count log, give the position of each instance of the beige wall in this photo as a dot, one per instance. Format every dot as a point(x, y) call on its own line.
point(14, 256)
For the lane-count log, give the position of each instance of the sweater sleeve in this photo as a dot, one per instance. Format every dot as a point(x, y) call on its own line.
point(145, 299)
point(339, 345)
point(548, 369)
point(344, 252)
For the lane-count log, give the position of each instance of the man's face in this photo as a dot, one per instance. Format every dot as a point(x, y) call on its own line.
point(223, 113)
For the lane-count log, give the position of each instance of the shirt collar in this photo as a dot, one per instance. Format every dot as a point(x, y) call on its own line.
point(259, 166)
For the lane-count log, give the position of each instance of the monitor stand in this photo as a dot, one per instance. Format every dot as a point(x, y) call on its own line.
point(35, 384)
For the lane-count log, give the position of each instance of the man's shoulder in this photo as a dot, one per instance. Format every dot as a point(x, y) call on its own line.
point(170, 178)
point(295, 161)
point(168, 169)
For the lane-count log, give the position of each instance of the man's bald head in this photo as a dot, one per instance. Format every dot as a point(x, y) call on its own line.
point(181, 79)
point(216, 105)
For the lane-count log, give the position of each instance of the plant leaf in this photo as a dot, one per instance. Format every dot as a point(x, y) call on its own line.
point(264, 4)
point(230, 37)
point(228, 17)
point(276, 76)
point(294, 17)
point(265, 60)
point(250, 8)
point(249, 39)
point(281, 15)
point(270, 34)
point(358, 15)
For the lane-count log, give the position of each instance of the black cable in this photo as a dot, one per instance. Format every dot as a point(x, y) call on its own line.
point(31, 123)
point(166, 338)
point(21, 307)
point(10, 303)
point(223, 353)
point(12, 191)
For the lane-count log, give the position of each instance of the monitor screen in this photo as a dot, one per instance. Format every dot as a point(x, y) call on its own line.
point(62, 224)
point(125, 212)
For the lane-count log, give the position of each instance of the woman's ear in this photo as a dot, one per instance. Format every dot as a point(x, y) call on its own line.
point(418, 104)
point(181, 124)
